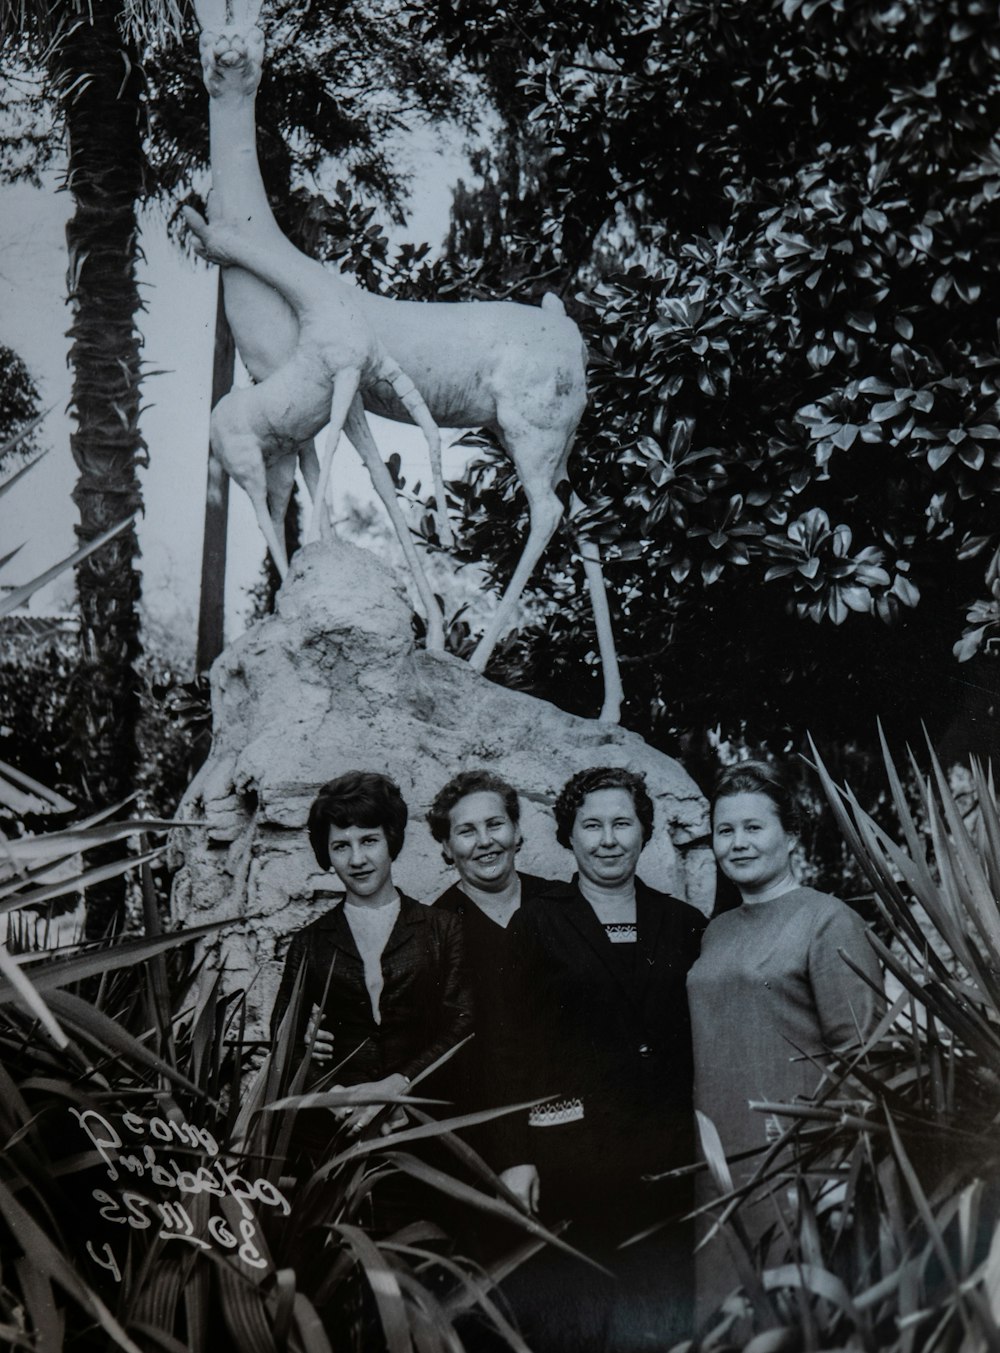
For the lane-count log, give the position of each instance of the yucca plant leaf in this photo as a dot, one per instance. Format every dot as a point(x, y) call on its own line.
point(384, 1287)
point(956, 1013)
point(243, 1308)
point(336, 1099)
point(39, 798)
point(11, 554)
point(48, 1260)
point(470, 1291)
point(309, 1327)
point(158, 1296)
point(914, 841)
point(843, 820)
point(784, 1339)
point(158, 1337)
point(34, 456)
point(430, 1327)
point(930, 1222)
point(95, 831)
point(989, 823)
point(45, 1315)
point(47, 974)
point(18, 988)
point(284, 1305)
point(113, 1038)
point(17, 596)
point(990, 1279)
point(34, 897)
point(819, 1282)
point(430, 1128)
point(471, 1160)
point(458, 1189)
point(977, 896)
point(880, 847)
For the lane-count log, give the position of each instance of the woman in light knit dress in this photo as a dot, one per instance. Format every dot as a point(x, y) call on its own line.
point(771, 994)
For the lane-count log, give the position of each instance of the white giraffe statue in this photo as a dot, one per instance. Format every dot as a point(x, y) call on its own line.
point(324, 350)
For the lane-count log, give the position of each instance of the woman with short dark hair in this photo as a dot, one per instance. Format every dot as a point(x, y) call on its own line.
point(603, 962)
point(783, 979)
point(383, 974)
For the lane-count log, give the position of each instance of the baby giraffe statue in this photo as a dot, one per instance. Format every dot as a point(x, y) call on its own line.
point(322, 349)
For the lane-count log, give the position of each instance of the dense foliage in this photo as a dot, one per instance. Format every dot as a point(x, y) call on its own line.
point(777, 225)
point(19, 411)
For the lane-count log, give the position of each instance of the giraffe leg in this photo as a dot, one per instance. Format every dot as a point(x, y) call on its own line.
point(241, 453)
point(613, 692)
point(345, 387)
point(545, 511)
point(360, 434)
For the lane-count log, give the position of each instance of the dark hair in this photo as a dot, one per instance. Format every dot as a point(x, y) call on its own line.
point(762, 777)
point(585, 782)
point(359, 798)
point(469, 782)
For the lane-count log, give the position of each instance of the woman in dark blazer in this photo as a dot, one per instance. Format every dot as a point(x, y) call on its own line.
point(603, 962)
point(383, 974)
point(476, 819)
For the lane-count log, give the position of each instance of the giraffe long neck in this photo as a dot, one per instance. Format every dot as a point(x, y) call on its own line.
point(262, 322)
point(237, 187)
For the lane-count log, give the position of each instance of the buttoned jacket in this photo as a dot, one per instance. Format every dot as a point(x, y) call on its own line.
point(611, 1028)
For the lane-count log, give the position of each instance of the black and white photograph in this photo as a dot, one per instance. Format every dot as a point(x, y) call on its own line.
point(499, 674)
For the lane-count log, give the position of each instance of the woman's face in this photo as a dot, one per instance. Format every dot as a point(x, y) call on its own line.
point(751, 846)
point(483, 841)
point(360, 858)
point(607, 837)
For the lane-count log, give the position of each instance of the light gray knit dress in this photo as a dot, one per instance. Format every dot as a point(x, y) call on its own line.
point(770, 991)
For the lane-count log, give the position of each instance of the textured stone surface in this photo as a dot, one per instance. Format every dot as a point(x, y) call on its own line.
point(331, 683)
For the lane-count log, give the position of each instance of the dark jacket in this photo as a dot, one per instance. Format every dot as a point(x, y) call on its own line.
point(609, 1023)
point(481, 1075)
point(425, 1003)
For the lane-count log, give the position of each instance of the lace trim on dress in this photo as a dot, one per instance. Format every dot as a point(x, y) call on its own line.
point(556, 1111)
point(621, 932)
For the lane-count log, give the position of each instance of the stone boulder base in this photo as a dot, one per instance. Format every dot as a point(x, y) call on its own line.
point(332, 683)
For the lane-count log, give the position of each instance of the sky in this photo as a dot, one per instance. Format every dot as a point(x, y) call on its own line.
point(177, 329)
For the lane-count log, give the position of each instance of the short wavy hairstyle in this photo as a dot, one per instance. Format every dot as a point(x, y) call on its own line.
point(585, 782)
point(469, 782)
point(358, 798)
point(771, 779)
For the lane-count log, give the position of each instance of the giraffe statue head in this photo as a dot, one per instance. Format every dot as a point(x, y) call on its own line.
point(231, 46)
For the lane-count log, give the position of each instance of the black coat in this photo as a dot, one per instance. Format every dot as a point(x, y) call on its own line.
point(609, 1024)
point(425, 1004)
point(481, 1075)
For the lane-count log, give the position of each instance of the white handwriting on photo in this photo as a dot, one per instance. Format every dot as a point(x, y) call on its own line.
point(133, 1148)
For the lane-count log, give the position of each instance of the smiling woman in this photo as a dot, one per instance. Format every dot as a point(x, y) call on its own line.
point(476, 818)
point(601, 967)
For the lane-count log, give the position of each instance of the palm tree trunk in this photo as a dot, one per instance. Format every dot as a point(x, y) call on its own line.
point(212, 603)
point(101, 86)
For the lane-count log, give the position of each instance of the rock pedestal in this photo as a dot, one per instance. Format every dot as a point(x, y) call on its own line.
point(332, 682)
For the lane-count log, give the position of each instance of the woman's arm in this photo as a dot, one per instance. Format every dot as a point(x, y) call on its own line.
point(454, 1020)
point(845, 1002)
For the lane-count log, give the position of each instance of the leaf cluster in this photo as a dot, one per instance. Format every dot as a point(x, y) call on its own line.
point(778, 223)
